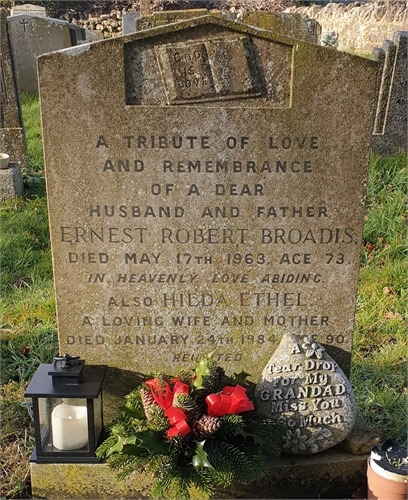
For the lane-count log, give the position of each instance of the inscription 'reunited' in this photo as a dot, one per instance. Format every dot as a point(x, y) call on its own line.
point(201, 71)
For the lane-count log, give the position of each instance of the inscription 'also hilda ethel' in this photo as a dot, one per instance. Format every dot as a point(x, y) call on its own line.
point(305, 389)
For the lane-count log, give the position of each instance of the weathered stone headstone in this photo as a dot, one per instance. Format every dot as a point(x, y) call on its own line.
point(28, 8)
point(10, 112)
point(293, 25)
point(12, 137)
point(390, 125)
point(211, 198)
point(129, 22)
point(31, 36)
point(11, 182)
point(78, 34)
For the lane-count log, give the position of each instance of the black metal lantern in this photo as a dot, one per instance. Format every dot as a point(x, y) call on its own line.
point(67, 407)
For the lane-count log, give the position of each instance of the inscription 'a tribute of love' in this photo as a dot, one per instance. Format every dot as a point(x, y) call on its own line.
point(211, 197)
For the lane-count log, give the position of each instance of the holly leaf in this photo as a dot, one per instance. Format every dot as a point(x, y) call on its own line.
point(136, 413)
point(241, 378)
point(202, 370)
point(120, 444)
point(152, 441)
point(257, 438)
point(200, 459)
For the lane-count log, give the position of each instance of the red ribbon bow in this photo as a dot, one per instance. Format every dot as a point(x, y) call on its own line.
point(230, 400)
point(163, 395)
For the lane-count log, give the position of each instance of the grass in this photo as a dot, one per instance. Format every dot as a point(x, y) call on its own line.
point(28, 322)
point(379, 373)
point(28, 335)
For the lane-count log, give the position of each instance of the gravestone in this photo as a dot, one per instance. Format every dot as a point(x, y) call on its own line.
point(10, 112)
point(129, 22)
point(293, 25)
point(28, 8)
point(78, 35)
point(210, 199)
point(11, 182)
point(390, 125)
point(31, 36)
point(12, 137)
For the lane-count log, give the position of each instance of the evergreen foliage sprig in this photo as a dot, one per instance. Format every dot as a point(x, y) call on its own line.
point(210, 450)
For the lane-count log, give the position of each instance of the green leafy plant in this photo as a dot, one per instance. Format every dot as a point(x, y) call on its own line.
point(200, 430)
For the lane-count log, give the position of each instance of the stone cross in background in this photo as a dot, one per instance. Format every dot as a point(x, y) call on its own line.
point(390, 125)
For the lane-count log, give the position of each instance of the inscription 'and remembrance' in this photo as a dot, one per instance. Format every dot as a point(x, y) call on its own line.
point(219, 208)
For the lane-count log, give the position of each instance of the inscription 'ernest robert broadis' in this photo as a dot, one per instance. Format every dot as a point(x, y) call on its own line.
point(211, 196)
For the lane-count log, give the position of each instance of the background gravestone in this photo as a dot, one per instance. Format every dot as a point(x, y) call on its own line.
point(11, 182)
point(210, 199)
point(129, 22)
point(293, 25)
point(28, 8)
point(390, 126)
point(34, 35)
point(12, 137)
point(10, 112)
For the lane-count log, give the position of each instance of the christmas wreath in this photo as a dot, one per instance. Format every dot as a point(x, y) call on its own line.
point(196, 429)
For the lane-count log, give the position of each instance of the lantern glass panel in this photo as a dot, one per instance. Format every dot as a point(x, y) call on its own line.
point(64, 424)
point(98, 417)
point(44, 411)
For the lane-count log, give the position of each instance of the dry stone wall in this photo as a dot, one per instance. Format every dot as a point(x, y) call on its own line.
point(360, 27)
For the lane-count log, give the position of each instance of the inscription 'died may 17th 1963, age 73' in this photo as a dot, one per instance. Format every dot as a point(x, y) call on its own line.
point(210, 198)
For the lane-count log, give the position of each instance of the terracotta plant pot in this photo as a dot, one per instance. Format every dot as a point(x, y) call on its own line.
point(386, 480)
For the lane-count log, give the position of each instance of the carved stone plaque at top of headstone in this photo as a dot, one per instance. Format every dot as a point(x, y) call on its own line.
point(210, 199)
point(304, 388)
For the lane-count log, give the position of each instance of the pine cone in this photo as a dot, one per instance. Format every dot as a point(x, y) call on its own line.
point(215, 379)
point(206, 426)
point(148, 402)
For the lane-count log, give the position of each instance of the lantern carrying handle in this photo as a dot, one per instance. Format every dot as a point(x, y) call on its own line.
point(66, 360)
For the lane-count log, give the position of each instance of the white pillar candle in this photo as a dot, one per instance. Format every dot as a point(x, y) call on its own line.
point(69, 427)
